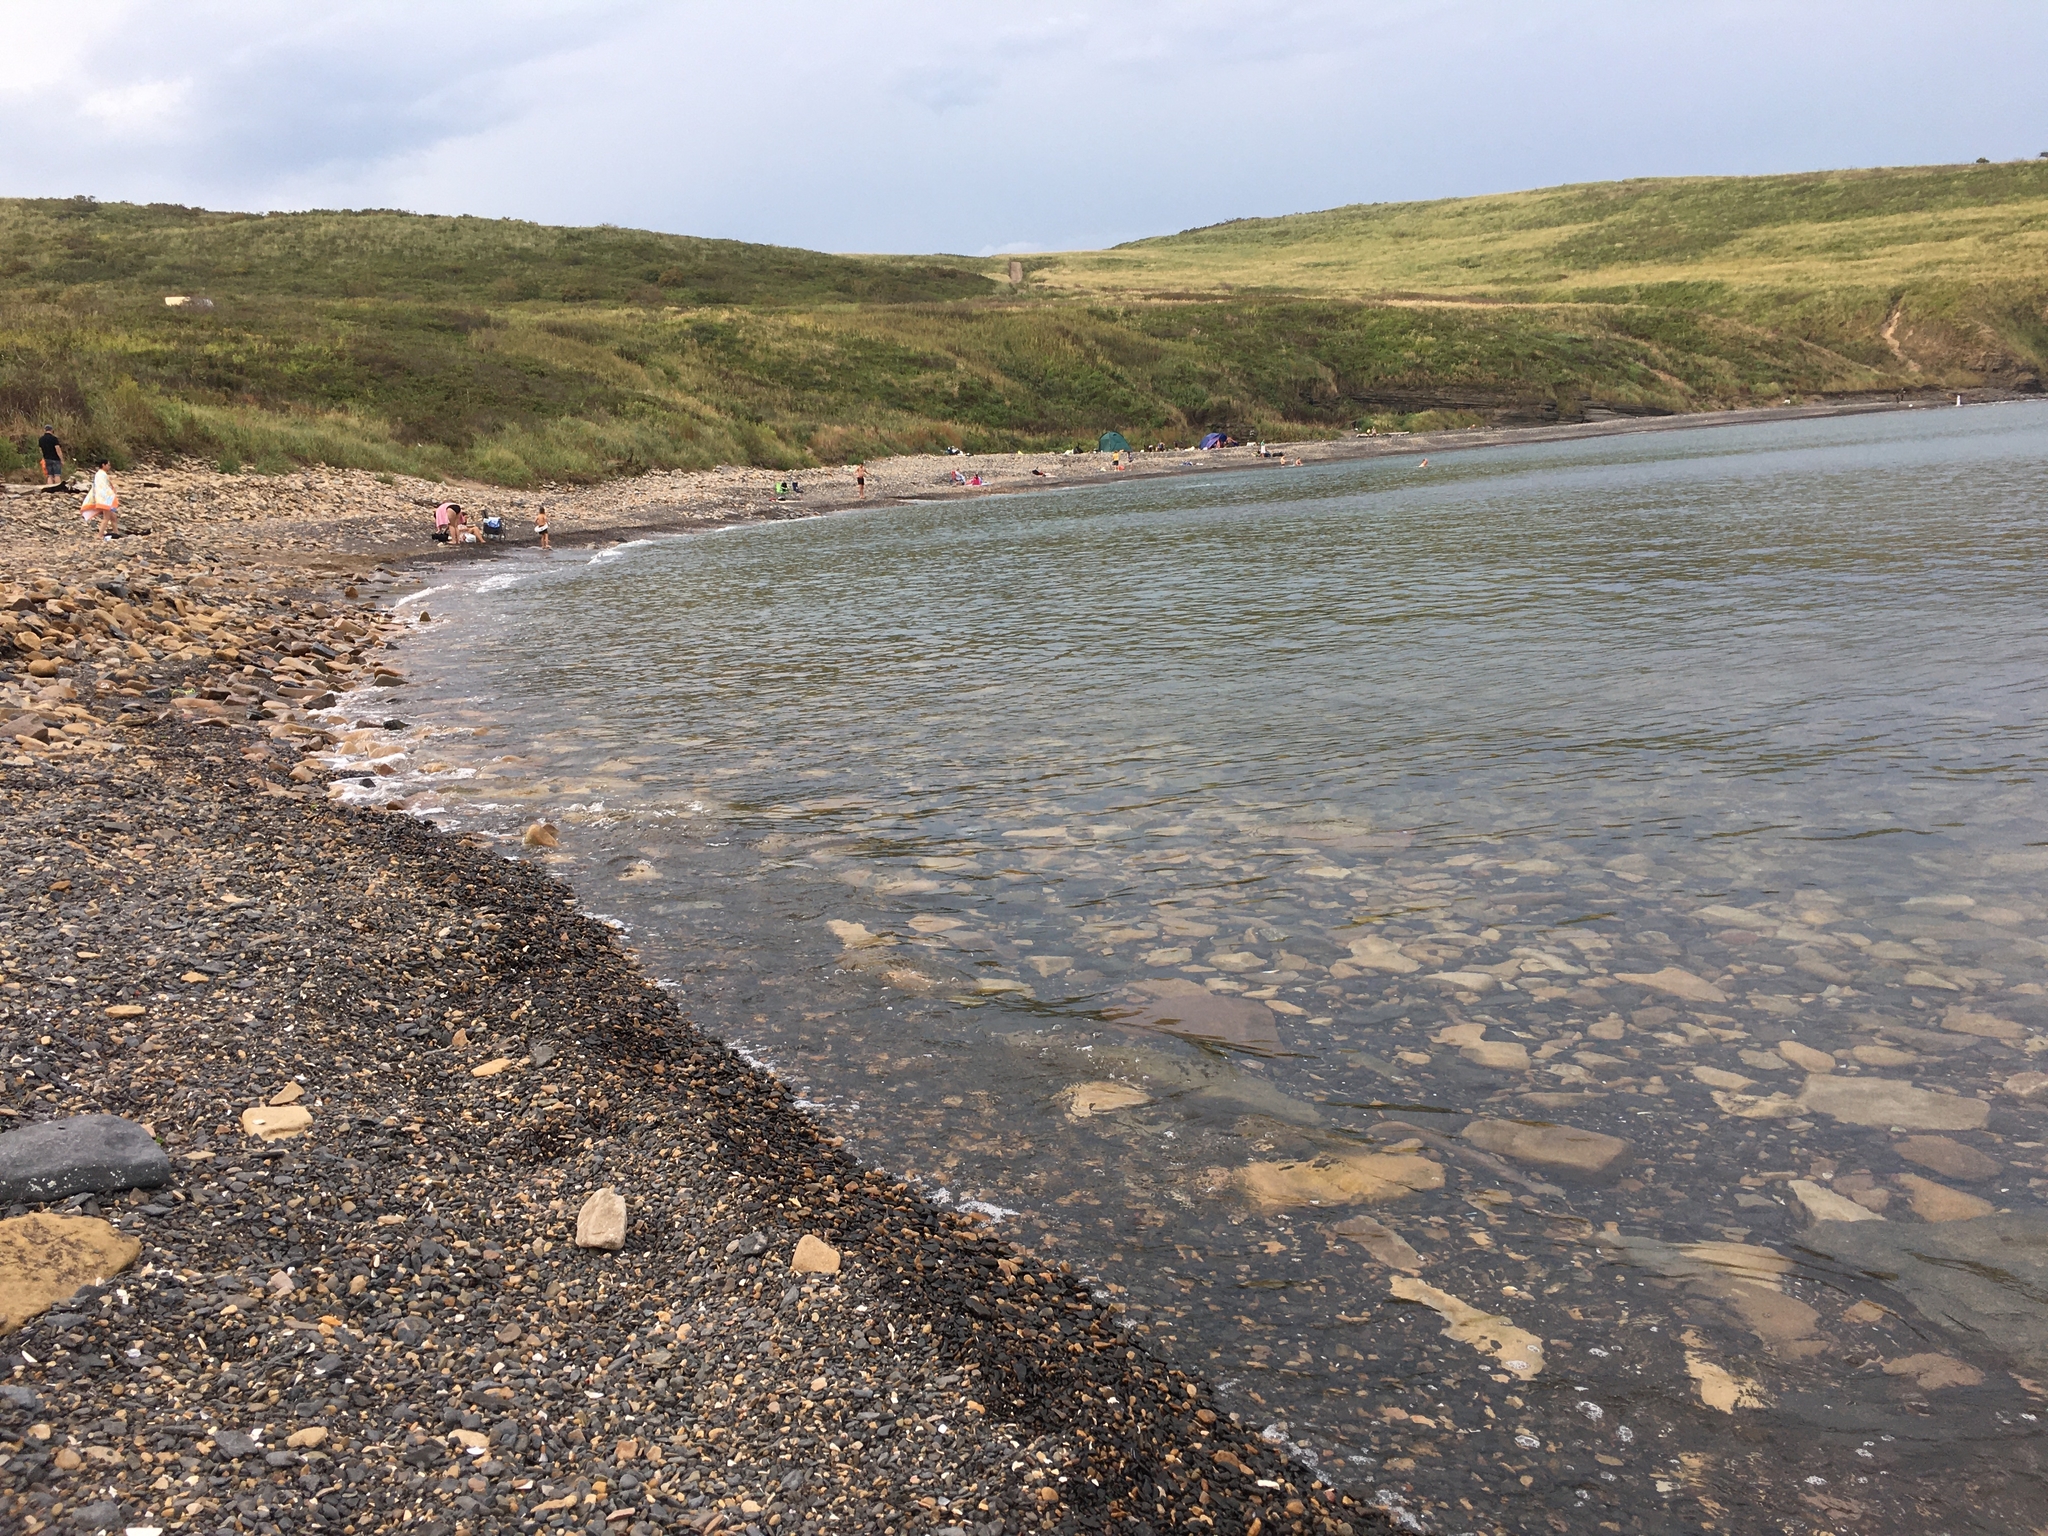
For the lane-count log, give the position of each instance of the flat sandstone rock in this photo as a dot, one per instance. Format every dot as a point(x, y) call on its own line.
point(602, 1221)
point(1947, 1156)
point(84, 1154)
point(1981, 1280)
point(1883, 1101)
point(1345, 1180)
point(44, 1259)
point(1183, 1008)
point(814, 1256)
point(1821, 1204)
point(1552, 1146)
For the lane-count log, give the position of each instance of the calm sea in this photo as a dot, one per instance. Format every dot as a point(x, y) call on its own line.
point(1449, 948)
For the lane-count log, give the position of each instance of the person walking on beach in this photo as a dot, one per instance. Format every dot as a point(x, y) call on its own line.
point(53, 456)
point(102, 505)
point(540, 526)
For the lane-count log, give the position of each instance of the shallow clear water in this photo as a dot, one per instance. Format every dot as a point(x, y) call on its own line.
point(1230, 880)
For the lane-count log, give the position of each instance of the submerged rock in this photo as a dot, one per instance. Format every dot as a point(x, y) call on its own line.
point(1821, 1204)
point(1694, 989)
point(1883, 1101)
point(1381, 1241)
point(93, 1154)
point(1985, 1280)
point(1519, 1351)
point(1947, 1156)
point(1183, 1008)
point(1937, 1202)
point(1552, 1146)
point(1084, 1100)
point(1344, 1179)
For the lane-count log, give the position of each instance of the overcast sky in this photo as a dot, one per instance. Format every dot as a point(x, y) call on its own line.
point(901, 125)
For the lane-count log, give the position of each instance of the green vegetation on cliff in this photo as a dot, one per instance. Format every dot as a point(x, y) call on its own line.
point(513, 352)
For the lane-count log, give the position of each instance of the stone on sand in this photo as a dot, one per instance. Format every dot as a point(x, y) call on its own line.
point(601, 1223)
point(1822, 1204)
point(1948, 1157)
point(1883, 1101)
point(540, 835)
point(81, 1154)
point(1937, 1202)
point(44, 1259)
point(1340, 1179)
point(1694, 989)
point(266, 1123)
point(1551, 1146)
point(311, 1438)
point(814, 1256)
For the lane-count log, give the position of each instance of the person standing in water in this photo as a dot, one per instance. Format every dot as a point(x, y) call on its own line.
point(540, 526)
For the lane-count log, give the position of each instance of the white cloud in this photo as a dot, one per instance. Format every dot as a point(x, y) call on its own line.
point(147, 106)
point(921, 125)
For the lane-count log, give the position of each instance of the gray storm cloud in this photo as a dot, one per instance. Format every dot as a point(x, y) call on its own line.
point(980, 127)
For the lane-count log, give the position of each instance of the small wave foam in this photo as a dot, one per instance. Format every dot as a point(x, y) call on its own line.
point(420, 596)
point(498, 583)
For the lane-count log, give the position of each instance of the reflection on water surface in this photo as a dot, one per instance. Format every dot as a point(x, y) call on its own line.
point(1491, 962)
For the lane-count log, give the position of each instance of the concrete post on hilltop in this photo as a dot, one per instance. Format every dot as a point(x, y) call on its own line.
point(1016, 272)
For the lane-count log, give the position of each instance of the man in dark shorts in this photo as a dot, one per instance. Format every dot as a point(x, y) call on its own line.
point(53, 457)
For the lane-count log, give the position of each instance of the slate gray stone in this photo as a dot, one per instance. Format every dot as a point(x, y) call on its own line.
point(106, 1515)
point(235, 1444)
point(85, 1154)
point(1985, 1280)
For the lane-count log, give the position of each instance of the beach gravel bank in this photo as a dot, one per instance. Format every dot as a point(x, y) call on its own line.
point(381, 1320)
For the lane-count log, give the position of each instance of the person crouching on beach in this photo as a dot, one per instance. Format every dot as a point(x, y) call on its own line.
point(442, 515)
point(540, 527)
point(102, 505)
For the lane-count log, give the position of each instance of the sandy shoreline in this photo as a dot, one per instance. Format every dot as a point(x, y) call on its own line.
point(318, 524)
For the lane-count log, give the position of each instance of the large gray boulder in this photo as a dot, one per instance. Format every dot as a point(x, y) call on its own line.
point(1985, 1280)
point(86, 1154)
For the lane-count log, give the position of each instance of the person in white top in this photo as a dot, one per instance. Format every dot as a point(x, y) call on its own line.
point(102, 505)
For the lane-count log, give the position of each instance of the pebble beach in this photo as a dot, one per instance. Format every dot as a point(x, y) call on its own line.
point(388, 1077)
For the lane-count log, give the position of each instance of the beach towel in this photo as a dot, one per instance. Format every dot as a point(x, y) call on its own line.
point(101, 498)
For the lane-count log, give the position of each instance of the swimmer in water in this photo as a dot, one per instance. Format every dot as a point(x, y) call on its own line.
point(1424, 464)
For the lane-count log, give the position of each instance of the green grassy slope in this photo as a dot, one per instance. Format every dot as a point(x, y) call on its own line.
point(514, 352)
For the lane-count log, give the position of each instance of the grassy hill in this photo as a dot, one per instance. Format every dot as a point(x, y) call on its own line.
point(514, 352)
